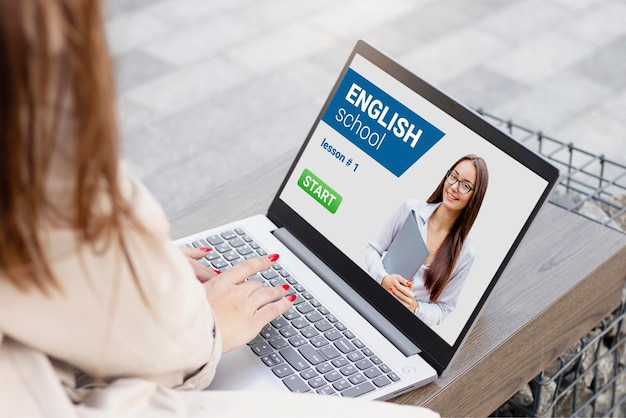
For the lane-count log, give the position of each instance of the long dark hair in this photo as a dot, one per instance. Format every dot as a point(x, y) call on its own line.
point(438, 274)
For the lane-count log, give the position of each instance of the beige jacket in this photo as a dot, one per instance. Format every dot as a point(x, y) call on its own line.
point(100, 324)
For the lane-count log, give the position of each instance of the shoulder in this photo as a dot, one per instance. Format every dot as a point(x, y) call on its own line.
point(416, 205)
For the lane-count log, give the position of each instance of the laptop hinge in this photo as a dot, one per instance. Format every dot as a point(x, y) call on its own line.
point(385, 327)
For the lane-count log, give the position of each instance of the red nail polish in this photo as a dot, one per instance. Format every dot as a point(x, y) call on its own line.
point(291, 298)
point(286, 286)
point(217, 271)
point(273, 257)
point(391, 289)
point(205, 249)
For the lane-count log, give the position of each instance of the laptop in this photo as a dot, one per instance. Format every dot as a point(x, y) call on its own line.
point(384, 137)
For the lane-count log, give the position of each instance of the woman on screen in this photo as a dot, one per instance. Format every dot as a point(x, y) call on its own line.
point(444, 221)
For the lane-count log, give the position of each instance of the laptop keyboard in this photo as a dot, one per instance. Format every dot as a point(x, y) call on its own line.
point(307, 347)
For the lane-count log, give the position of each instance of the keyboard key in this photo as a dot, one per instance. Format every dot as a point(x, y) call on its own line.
point(231, 255)
point(262, 348)
point(277, 282)
point(340, 362)
point(341, 384)
point(323, 325)
point(279, 322)
point(323, 310)
point(292, 313)
point(314, 317)
point(355, 356)
point(235, 242)
point(332, 376)
point(244, 250)
point(319, 341)
point(317, 382)
point(372, 372)
point(348, 370)
point(348, 334)
point(326, 390)
point(269, 361)
point(215, 240)
point(288, 331)
point(307, 374)
point(332, 334)
point(304, 308)
point(299, 323)
point(344, 346)
point(381, 381)
point(268, 332)
point(364, 364)
point(278, 343)
point(311, 354)
point(324, 368)
point(358, 390)
point(296, 384)
point(223, 247)
point(228, 235)
point(394, 377)
point(309, 332)
point(269, 274)
point(200, 243)
point(358, 378)
point(294, 359)
point(330, 352)
point(297, 341)
point(282, 370)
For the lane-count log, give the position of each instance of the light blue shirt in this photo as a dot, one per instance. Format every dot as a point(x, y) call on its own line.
point(430, 313)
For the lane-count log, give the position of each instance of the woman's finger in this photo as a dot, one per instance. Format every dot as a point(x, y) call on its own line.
point(196, 252)
point(241, 271)
point(271, 311)
point(203, 273)
point(264, 295)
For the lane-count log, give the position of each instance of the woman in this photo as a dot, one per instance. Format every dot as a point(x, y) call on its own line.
point(445, 220)
point(88, 275)
point(82, 243)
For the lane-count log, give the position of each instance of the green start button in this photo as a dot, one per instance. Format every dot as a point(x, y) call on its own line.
point(319, 190)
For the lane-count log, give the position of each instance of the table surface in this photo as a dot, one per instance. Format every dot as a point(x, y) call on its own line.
point(565, 277)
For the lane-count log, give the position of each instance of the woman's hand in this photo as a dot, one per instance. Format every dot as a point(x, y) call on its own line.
point(203, 273)
point(401, 289)
point(242, 308)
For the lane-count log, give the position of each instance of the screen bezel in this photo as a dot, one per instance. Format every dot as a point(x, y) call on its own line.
point(435, 350)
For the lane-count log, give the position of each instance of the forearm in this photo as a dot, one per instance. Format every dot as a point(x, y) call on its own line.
point(431, 313)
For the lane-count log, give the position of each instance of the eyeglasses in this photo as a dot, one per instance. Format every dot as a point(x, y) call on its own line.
point(464, 187)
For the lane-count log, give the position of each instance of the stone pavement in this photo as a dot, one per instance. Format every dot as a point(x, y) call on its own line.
point(211, 89)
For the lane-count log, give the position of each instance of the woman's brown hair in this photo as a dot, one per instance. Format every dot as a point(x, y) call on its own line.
point(56, 91)
point(440, 271)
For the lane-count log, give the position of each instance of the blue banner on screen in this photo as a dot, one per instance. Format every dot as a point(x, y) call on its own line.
point(384, 128)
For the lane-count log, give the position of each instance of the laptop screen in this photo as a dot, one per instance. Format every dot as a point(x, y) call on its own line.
point(385, 145)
